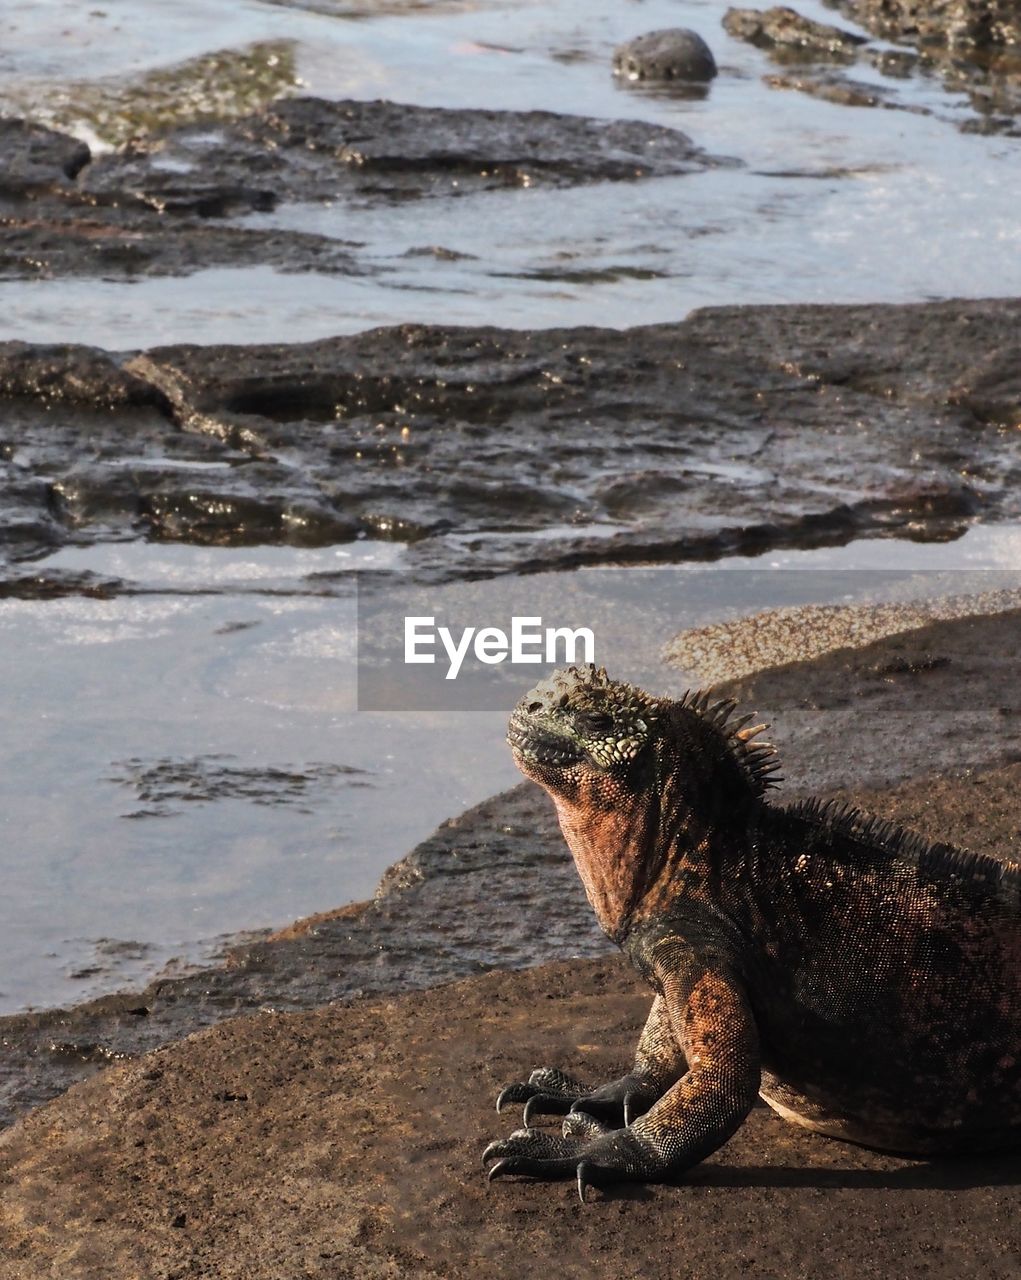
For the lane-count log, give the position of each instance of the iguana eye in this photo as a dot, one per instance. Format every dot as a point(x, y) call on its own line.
point(598, 722)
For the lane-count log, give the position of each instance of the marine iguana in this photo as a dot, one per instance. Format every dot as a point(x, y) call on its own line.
point(865, 982)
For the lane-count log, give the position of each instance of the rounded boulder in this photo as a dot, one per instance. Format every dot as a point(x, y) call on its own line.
point(672, 54)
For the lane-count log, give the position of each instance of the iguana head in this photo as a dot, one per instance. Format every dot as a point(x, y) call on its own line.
point(636, 779)
point(579, 722)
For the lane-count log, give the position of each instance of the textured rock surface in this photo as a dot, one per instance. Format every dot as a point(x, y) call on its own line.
point(739, 429)
point(672, 54)
point(346, 1143)
point(980, 24)
point(838, 89)
point(971, 44)
point(786, 31)
point(151, 207)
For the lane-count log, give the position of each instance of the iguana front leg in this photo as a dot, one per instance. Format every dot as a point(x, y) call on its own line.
point(658, 1063)
point(716, 1032)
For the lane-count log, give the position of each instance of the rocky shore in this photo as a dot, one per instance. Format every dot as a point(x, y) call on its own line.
point(159, 204)
point(361, 1123)
point(970, 45)
point(317, 1103)
point(737, 430)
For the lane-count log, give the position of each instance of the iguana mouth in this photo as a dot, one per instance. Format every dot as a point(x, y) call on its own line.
point(531, 742)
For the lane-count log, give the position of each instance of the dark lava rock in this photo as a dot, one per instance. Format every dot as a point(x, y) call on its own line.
point(673, 54)
point(34, 159)
point(54, 584)
point(49, 243)
point(310, 149)
point(496, 888)
point(839, 89)
point(970, 44)
point(156, 206)
point(738, 430)
point(979, 24)
point(785, 31)
point(344, 1144)
point(897, 63)
point(973, 45)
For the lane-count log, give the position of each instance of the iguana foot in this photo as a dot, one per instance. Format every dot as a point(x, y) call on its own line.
point(588, 1151)
point(550, 1092)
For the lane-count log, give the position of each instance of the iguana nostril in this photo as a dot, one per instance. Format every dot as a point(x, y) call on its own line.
point(533, 707)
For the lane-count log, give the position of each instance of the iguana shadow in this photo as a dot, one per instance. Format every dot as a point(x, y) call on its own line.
point(949, 1174)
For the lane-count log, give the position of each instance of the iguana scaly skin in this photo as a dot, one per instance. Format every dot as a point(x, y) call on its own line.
point(865, 982)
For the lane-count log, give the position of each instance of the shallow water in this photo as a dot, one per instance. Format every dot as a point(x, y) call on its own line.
point(831, 204)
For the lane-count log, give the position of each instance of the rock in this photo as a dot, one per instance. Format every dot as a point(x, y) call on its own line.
point(47, 243)
point(839, 89)
point(972, 44)
point(215, 87)
point(311, 149)
point(158, 205)
point(34, 159)
point(786, 31)
point(433, 435)
point(344, 1144)
point(672, 54)
point(897, 63)
point(976, 24)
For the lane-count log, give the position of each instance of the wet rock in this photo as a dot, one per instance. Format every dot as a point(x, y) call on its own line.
point(311, 149)
point(673, 54)
point(163, 786)
point(913, 739)
point(470, 444)
point(212, 88)
point(158, 205)
point(48, 243)
point(210, 516)
point(971, 44)
point(346, 1143)
point(34, 159)
point(785, 31)
point(39, 377)
point(52, 585)
point(979, 24)
point(839, 89)
point(438, 251)
point(898, 63)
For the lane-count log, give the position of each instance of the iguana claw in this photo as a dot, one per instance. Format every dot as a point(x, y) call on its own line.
point(594, 1157)
point(548, 1091)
